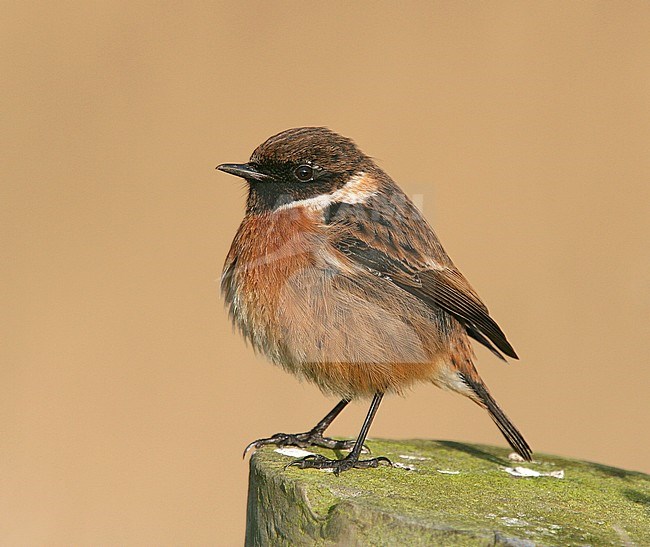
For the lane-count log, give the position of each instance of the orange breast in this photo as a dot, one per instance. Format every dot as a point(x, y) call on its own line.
point(321, 318)
point(267, 250)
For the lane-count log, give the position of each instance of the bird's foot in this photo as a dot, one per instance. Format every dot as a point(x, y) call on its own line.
point(303, 440)
point(316, 461)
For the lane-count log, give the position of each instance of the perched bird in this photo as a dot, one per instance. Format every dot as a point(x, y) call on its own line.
point(337, 277)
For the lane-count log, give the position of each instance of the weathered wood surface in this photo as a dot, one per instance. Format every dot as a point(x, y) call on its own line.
point(446, 493)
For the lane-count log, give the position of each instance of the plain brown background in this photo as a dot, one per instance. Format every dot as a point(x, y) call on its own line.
point(522, 129)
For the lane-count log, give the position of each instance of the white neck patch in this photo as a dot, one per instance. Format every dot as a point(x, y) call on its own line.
point(356, 190)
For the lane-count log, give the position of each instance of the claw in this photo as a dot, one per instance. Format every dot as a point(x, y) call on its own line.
point(248, 448)
point(279, 439)
point(301, 461)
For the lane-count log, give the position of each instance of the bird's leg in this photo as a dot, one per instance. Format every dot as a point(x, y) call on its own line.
point(313, 437)
point(316, 461)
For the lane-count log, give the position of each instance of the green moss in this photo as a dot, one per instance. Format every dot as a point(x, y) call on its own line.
point(481, 505)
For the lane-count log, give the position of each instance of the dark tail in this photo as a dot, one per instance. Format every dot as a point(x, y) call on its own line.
point(507, 428)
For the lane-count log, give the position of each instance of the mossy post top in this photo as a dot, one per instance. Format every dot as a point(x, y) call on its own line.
point(443, 492)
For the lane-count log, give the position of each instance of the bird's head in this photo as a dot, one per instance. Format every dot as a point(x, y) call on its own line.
point(297, 165)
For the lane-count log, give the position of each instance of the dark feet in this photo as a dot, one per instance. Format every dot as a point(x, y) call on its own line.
point(302, 440)
point(316, 461)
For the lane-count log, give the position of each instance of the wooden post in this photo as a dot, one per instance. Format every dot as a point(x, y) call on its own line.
point(446, 493)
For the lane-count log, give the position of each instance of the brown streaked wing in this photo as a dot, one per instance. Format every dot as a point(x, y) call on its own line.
point(444, 288)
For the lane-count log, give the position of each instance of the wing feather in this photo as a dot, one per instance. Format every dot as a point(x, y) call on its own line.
point(439, 287)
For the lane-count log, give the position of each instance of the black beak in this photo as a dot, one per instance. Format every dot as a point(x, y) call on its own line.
point(244, 170)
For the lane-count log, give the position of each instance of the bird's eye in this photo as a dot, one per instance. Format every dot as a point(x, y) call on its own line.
point(304, 173)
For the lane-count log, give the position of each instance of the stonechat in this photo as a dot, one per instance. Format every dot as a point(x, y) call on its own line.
point(337, 277)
